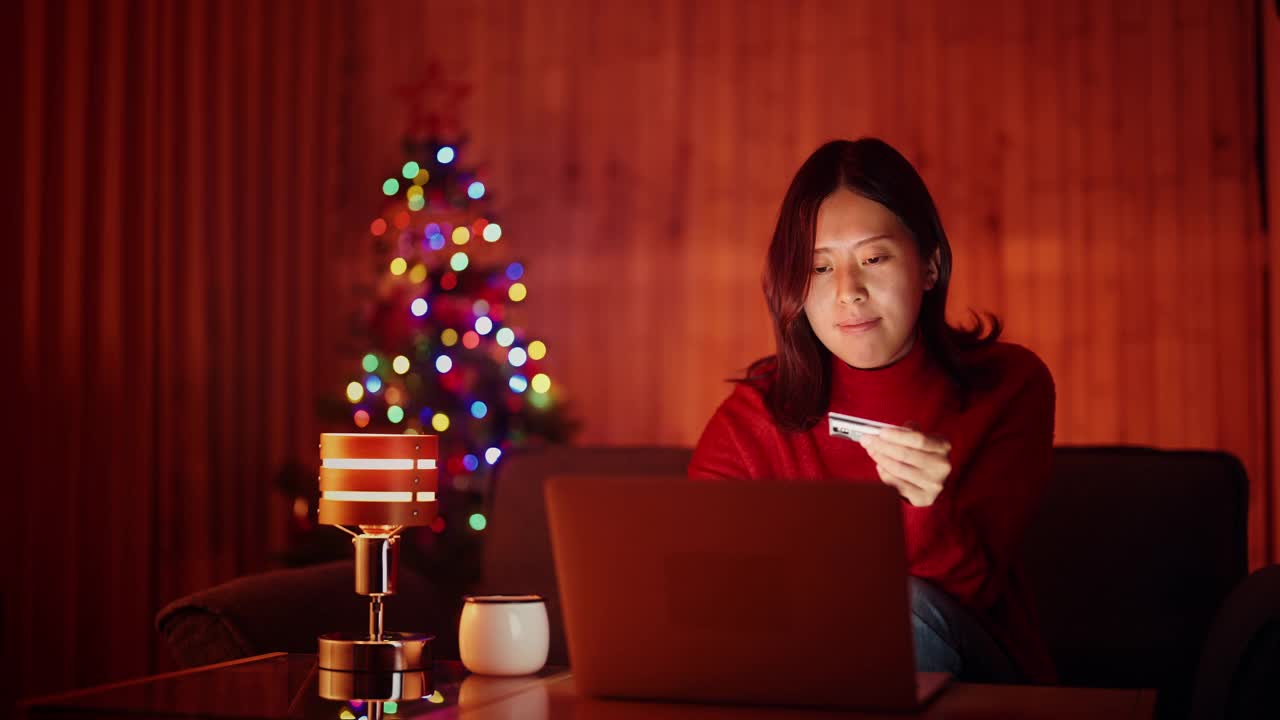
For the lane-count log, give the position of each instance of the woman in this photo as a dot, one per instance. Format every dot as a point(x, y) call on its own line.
point(856, 282)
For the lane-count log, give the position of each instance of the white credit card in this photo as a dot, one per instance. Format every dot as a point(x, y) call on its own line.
point(853, 428)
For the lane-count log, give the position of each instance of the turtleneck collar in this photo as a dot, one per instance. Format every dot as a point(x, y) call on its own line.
point(850, 385)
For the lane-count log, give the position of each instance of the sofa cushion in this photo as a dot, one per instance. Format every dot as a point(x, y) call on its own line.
point(1130, 557)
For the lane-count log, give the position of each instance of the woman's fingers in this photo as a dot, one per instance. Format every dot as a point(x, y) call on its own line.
point(914, 464)
point(902, 469)
point(909, 491)
point(917, 440)
point(933, 464)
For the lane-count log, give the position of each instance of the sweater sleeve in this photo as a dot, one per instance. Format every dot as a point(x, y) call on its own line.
point(991, 505)
point(718, 454)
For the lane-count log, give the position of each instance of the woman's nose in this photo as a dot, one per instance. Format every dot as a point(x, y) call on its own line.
point(850, 287)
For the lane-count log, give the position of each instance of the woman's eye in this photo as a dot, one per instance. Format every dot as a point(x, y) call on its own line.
point(876, 260)
point(822, 269)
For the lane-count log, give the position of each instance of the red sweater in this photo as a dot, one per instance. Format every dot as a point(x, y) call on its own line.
point(968, 541)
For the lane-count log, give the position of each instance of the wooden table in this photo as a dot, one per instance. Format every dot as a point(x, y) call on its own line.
point(279, 685)
point(555, 697)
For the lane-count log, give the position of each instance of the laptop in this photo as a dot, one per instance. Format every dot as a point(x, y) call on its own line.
point(736, 592)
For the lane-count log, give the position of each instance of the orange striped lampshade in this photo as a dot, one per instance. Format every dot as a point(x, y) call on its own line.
point(377, 480)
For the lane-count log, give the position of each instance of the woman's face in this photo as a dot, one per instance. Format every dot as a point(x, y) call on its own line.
point(868, 281)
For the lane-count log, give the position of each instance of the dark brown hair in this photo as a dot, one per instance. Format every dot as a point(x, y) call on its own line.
point(798, 395)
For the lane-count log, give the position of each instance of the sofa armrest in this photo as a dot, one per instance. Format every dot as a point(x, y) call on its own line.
point(1241, 657)
point(286, 610)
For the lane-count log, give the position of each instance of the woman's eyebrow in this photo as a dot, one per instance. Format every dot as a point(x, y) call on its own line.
point(864, 241)
point(860, 243)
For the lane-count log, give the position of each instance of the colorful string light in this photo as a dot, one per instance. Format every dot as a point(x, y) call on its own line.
point(410, 244)
point(355, 392)
point(541, 383)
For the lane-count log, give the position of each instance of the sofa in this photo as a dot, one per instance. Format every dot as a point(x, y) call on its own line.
point(1132, 557)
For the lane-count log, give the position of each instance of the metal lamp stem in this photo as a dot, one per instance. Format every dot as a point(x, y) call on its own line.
point(375, 617)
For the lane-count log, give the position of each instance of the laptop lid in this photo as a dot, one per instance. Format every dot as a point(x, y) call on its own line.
point(739, 592)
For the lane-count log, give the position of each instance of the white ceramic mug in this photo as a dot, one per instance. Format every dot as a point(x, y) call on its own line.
point(504, 634)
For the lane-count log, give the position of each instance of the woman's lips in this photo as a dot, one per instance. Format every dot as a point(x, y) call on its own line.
point(858, 327)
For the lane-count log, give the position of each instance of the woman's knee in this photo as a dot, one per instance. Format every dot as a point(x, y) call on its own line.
point(949, 638)
point(935, 645)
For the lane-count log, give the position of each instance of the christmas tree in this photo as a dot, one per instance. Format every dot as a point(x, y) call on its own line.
point(437, 344)
point(444, 347)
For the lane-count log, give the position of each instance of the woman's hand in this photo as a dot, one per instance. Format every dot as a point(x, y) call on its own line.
point(915, 464)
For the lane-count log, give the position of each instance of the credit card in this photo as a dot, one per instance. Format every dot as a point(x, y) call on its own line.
point(853, 428)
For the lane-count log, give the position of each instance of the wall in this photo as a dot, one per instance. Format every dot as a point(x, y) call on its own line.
point(197, 177)
point(1093, 163)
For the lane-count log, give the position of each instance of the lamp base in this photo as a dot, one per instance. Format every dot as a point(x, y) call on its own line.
point(394, 652)
point(375, 687)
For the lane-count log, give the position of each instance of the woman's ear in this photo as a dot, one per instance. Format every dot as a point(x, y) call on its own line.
point(931, 272)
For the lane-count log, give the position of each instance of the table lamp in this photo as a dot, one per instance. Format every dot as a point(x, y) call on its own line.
point(379, 484)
